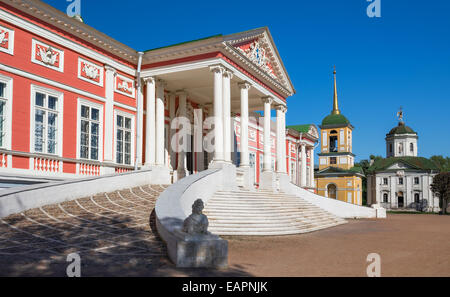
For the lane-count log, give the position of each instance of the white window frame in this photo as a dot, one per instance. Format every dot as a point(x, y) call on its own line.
point(124, 114)
point(59, 129)
point(7, 127)
point(100, 107)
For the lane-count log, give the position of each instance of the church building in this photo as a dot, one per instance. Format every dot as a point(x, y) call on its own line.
point(402, 180)
point(337, 177)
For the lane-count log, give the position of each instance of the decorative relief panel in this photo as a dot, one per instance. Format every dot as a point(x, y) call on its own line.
point(47, 56)
point(256, 53)
point(313, 131)
point(252, 135)
point(124, 86)
point(293, 148)
point(6, 40)
point(90, 72)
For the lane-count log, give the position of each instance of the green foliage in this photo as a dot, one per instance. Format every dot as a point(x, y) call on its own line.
point(442, 162)
point(364, 165)
point(441, 188)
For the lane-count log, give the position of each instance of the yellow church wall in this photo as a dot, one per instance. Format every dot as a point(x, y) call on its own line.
point(344, 185)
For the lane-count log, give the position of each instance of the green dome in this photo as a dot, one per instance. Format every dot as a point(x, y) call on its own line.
point(335, 119)
point(401, 129)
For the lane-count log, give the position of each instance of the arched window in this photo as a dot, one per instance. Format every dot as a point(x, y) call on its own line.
point(411, 147)
point(333, 141)
point(385, 198)
point(400, 148)
point(390, 147)
point(416, 197)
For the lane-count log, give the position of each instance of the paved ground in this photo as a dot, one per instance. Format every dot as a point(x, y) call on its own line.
point(114, 235)
point(408, 244)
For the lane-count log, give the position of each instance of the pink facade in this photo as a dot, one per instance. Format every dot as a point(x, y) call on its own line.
point(71, 105)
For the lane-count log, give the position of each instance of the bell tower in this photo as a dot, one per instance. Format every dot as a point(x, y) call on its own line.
point(336, 137)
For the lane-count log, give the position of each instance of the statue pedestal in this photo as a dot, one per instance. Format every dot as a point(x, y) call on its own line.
point(206, 250)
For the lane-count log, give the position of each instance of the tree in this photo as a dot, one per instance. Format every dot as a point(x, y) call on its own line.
point(441, 188)
point(365, 164)
point(442, 162)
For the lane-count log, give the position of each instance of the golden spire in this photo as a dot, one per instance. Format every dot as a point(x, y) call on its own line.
point(335, 96)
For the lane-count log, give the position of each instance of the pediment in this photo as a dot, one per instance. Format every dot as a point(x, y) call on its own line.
point(399, 165)
point(313, 131)
point(257, 47)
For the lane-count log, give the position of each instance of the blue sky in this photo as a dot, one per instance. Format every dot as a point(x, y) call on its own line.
point(400, 59)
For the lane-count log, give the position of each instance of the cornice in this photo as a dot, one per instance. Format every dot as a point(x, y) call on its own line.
point(54, 17)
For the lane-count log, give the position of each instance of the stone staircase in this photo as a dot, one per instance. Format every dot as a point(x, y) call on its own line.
point(265, 213)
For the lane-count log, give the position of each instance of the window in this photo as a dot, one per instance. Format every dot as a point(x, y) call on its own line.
point(400, 180)
point(390, 147)
point(385, 181)
point(5, 111)
point(3, 100)
point(46, 121)
point(89, 132)
point(411, 147)
point(416, 180)
point(333, 141)
point(333, 160)
point(385, 198)
point(123, 141)
point(400, 148)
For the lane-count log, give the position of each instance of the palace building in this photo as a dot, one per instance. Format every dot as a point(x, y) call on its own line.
point(74, 102)
point(337, 177)
point(402, 180)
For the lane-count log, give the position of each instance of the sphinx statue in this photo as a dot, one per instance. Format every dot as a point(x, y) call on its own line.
point(197, 222)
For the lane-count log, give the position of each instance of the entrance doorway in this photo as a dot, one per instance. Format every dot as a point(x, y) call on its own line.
point(400, 198)
point(331, 189)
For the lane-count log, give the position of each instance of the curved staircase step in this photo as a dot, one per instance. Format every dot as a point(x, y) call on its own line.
point(265, 213)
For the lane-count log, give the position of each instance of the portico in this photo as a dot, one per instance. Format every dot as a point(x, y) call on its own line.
point(217, 85)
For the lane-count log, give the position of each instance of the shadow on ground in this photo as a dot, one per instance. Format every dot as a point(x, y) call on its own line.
point(32, 245)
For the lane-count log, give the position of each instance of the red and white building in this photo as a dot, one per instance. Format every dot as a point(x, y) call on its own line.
point(75, 102)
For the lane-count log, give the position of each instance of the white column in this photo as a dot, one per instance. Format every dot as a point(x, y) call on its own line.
point(150, 132)
point(172, 132)
point(218, 114)
point(303, 164)
point(139, 126)
point(226, 97)
point(245, 161)
point(160, 123)
point(311, 167)
point(198, 138)
point(281, 139)
point(267, 140)
point(181, 168)
point(109, 114)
